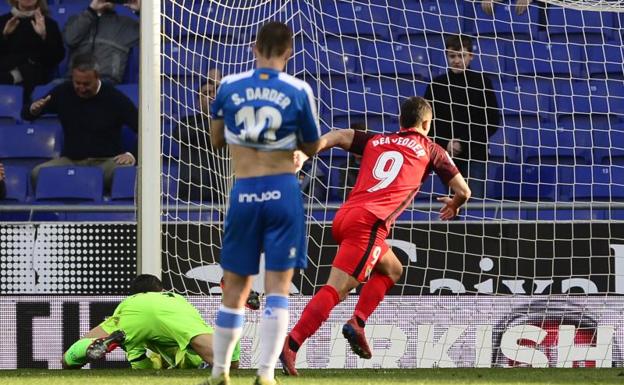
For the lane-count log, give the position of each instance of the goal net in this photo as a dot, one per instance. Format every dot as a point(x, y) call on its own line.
point(532, 273)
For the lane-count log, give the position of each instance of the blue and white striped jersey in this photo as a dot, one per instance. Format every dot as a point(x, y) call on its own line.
point(266, 109)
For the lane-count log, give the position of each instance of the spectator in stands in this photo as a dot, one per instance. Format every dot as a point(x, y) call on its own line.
point(201, 170)
point(466, 112)
point(100, 31)
point(2, 184)
point(521, 6)
point(348, 170)
point(92, 114)
point(31, 45)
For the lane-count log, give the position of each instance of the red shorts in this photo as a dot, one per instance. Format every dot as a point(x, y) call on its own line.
point(361, 242)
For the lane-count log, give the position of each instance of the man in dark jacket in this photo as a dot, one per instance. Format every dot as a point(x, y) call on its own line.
point(202, 171)
point(108, 36)
point(92, 114)
point(30, 47)
point(466, 112)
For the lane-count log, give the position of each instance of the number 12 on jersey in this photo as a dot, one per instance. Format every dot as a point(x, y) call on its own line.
point(265, 120)
point(386, 169)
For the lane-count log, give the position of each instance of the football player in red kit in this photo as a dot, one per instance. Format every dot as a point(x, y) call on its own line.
point(392, 169)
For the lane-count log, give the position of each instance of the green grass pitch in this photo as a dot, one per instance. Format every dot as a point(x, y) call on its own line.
point(322, 377)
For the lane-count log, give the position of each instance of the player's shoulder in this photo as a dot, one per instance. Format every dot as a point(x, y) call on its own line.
point(295, 83)
point(230, 79)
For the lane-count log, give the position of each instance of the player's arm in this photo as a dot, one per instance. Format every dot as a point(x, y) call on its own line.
point(444, 167)
point(217, 133)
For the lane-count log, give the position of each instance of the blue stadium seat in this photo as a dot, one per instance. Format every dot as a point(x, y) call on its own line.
point(442, 16)
point(489, 54)
point(408, 59)
point(183, 58)
point(606, 60)
point(589, 183)
point(179, 96)
point(70, 184)
point(340, 96)
point(183, 19)
point(124, 184)
point(131, 76)
point(408, 87)
point(539, 183)
point(29, 142)
point(16, 182)
point(526, 96)
point(335, 56)
point(608, 147)
point(505, 21)
point(545, 58)
point(131, 91)
point(382, 95)
point(10, 103)
point(342, 18)
point(43, 90)
point(431, 189)
point(504, 145)
point(62, 12)
point(598, 96)
point(541, 146)
point(567, 22)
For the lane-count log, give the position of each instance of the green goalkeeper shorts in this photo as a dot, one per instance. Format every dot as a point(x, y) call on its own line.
point(161, 322)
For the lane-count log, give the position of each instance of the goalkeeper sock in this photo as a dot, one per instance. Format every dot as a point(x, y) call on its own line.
point(76, 355)
point(273, 329)
point(228, 329)
point(371, 295)
point(315, 313)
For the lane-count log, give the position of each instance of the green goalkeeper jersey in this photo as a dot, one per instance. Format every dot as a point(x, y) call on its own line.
point(163, 323)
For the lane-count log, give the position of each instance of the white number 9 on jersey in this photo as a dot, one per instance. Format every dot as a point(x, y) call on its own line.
point(386, 169)
point(265, 119)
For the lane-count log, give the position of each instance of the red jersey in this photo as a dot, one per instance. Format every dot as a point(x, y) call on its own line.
point(393, 168)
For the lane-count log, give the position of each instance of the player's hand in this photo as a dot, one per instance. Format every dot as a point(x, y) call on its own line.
point(449, 211)
point(39, 24)
point(126, 159)
point(454, 147)
point(299, 159)
point(38, 105)
point(488, 6)
point(101, 5)
point(521, 6)
point(2, 175)
point(134, 5)
point(10, 26)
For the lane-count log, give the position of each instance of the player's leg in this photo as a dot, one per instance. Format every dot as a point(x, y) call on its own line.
point(229, 322)
point(202, 345)
point(386, 272)
point(240, 258)
point(91, 347)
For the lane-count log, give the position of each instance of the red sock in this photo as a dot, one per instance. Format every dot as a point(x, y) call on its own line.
point(315, 313)
point(371, 295)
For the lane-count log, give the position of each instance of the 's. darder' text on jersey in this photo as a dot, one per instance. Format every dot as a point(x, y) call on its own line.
point(263, 93)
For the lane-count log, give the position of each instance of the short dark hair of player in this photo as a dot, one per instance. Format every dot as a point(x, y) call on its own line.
point(413, 111)
point(85, 62)
point(145, 283)
point(459, 43)
point(274, 39)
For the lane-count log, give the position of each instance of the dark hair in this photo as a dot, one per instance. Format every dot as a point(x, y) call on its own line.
point(459, 43)
point(358, 126)
point(145, 283)
point(274, 39)
point(85, 62)
point(413, 110)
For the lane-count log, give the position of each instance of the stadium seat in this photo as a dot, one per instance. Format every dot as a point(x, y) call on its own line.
point(333, 56)
point(504, 145)
point(62, 12)
point(342, 18)
point(29, 142)
point(526, 96)
point(339, 96)
point(131, 91)
point(407, 59)
point(562, 23)
point(10, 104)
point(131, 75)
point(488, 55)
point(382, 95)
point(184, 19)
point(606, 60)
point(431, 189)
point(169, 180)
point(124, 184)
point(505, 21)
point(608, 147)
point(442, 16)
point(70, 184)
point(551, 59)
point(16, 182)
point(590, 183)
point(186, 58)
point(43, 90)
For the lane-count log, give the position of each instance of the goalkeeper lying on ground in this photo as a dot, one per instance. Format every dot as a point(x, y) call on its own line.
point(156, 329)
